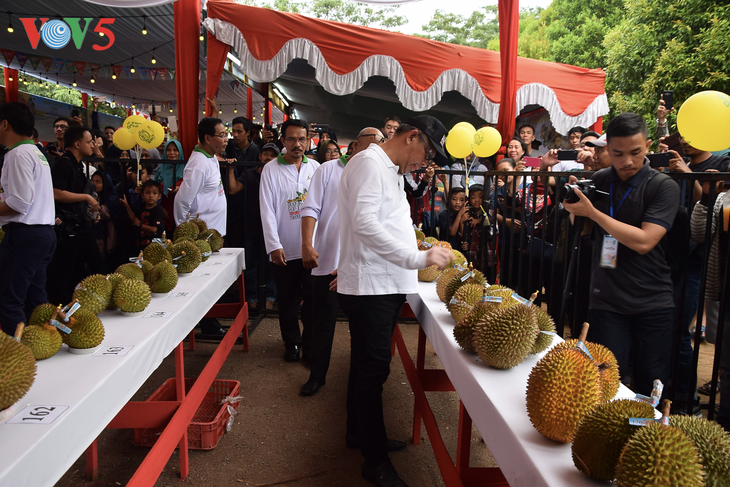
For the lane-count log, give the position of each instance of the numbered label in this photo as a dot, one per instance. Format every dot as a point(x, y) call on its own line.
point(182, 294)
point(158, 314)
point(227, 254)
point(38, 415)
point(204, 274)
point(112, 351)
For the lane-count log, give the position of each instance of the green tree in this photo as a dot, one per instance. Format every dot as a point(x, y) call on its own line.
point(477, 30)
point(344, 11)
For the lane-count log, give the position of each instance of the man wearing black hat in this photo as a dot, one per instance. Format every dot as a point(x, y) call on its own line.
point(377, 268)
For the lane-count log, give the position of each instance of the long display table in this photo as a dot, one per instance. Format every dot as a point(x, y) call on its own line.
point(495, 400)
point(93, 389)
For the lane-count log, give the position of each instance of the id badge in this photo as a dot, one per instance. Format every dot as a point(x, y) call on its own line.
point(609, 252)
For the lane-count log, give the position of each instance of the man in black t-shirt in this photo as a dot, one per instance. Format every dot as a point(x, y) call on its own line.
point(76, 211)
point(242, 149)
point(631, 303)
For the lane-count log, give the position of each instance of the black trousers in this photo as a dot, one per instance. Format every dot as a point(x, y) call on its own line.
point(293, 281)
point(69, 265)
point(372, 322)
point(326, 306)
point(25, 252)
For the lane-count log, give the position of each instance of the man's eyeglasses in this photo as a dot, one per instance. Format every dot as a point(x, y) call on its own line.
point(60, 126)
point(378, 138)
point(294, 140)
point(430, 153)
point(221, 136)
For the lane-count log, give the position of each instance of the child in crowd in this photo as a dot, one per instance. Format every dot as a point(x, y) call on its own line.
point(150, 220)
point(105, 230)
point(473, 221)
point(450, 223)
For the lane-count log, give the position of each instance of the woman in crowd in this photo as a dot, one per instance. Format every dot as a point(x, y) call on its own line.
point(169, 176)
point(327, 150)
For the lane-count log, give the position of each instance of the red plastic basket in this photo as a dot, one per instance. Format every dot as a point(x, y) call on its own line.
point(209, 422)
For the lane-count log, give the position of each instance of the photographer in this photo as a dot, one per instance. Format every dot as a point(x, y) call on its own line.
point(76, 209)
point(631, 303)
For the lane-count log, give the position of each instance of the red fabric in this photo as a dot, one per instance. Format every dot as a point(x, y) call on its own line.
point(598, 126)
point(85, 100)
point(216, 61)
point(509, 29)
point(249, 103)
point(187, 31)
point(422, 60)
point(11, 87)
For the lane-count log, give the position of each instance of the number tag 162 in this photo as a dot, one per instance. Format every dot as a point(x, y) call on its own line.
point(35, 414)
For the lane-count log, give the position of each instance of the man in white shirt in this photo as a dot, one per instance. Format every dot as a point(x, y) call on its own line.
point(284, 186)
point(377, 268)
point(202, 190)
point(26, 215)
point(320, 209)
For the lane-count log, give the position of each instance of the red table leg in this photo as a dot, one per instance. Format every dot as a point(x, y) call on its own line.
point(463, 445)
point(92, 462)
point(180, 390)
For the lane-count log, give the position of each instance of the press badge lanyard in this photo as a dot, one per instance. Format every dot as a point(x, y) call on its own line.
point(609, 250)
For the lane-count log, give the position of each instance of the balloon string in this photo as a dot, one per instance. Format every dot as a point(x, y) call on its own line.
point(466, 174)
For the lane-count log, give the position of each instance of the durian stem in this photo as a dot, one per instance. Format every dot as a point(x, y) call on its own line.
point(666, 407)
point(584, 332)
point(533, 297)
point(197, 217)
point(19, 330)
point(604, 366)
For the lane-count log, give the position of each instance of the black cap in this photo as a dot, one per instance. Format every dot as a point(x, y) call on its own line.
point(436, 133)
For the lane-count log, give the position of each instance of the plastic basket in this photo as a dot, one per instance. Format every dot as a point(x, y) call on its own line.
point(209, 422)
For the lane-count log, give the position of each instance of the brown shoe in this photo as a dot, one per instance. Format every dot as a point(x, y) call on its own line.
point(269, 304)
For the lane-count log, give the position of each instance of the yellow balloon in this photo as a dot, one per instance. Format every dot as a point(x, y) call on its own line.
point(133, 123)
point(466, 125)
point(124, 139)
point(150, 135)
point(487, 141)
point(704, 121)
point(459, 142)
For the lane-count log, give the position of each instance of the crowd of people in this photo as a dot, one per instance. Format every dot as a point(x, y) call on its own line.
point(336, 227)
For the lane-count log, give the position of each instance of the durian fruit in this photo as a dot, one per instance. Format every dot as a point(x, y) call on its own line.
point(544, 323)
point(464, 300)
point(464, 329)
point(205, 249)
point(562, 388)
point(162, 278)
point(430, 240)
point(713, 445)
point(602, 435)
point(659, 455)
point(186, 230)
point(610, 377)
point(130, 271)
point(155, 253)
point(202, 226)
point(94, 293)
point(86, 330)
point(429, 274)
point(41, 314)
point(115, 279)
point(419, 234)
point(132, 296)
point(17, 369)
point(214, 239)
point(442, 280)
point(43, 340)
point(502, 292)
point(503, 338)
point(146, 267)
point(2, 234)
point(189, 256)
point(475, 277)
point(458, 258)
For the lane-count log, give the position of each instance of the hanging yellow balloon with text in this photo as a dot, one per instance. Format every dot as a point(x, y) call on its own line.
point(704, 121)
point(124, 139)
point(467, 126)
point(133, 123)
point(487, 141)
point(150, 135)
point(459, 142)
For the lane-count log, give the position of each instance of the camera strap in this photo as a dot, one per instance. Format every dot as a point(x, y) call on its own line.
point(622, 199)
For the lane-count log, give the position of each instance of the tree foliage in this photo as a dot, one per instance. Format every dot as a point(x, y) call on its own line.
point(344, 11)
point(477, 30)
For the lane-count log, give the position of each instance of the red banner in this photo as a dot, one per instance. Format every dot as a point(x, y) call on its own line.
point(8, 55)
point(47, 62)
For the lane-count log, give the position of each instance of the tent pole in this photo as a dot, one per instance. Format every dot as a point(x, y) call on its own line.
point(11, 87)
point(509, 28)
point(187, 53)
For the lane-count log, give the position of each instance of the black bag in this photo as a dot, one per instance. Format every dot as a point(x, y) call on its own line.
point(69, 222)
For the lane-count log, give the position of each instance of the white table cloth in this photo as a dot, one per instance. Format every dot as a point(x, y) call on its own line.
point(96, 388)
point(496, 402)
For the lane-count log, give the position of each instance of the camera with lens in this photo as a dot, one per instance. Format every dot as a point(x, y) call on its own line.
point(585, 186)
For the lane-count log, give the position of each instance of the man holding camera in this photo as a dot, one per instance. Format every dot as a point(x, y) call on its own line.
point(631, 300)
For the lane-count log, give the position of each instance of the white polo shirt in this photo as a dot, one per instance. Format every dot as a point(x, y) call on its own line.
point(26, 186)
point(282, 193)
point(202, 192)
point(321, 204)
point(378, 252)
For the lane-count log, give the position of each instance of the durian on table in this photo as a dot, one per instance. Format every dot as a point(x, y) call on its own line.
point(17, 368)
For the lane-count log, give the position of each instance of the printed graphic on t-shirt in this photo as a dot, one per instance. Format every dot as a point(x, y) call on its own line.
point(295, 204)
point(221, 191)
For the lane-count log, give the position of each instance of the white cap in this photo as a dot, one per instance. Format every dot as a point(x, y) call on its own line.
point(601, 142)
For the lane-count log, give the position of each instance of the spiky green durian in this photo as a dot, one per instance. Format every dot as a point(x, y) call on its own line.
point(94, 293)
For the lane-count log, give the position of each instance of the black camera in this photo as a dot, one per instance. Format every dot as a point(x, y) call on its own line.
point(585, 186)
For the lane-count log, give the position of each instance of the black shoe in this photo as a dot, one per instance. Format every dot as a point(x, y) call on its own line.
point(311, 388)
point(393, 445)
point(383, 475)
point(292, 353)
point(212, 329)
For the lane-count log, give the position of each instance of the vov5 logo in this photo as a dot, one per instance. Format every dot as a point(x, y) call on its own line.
point(57, 33)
